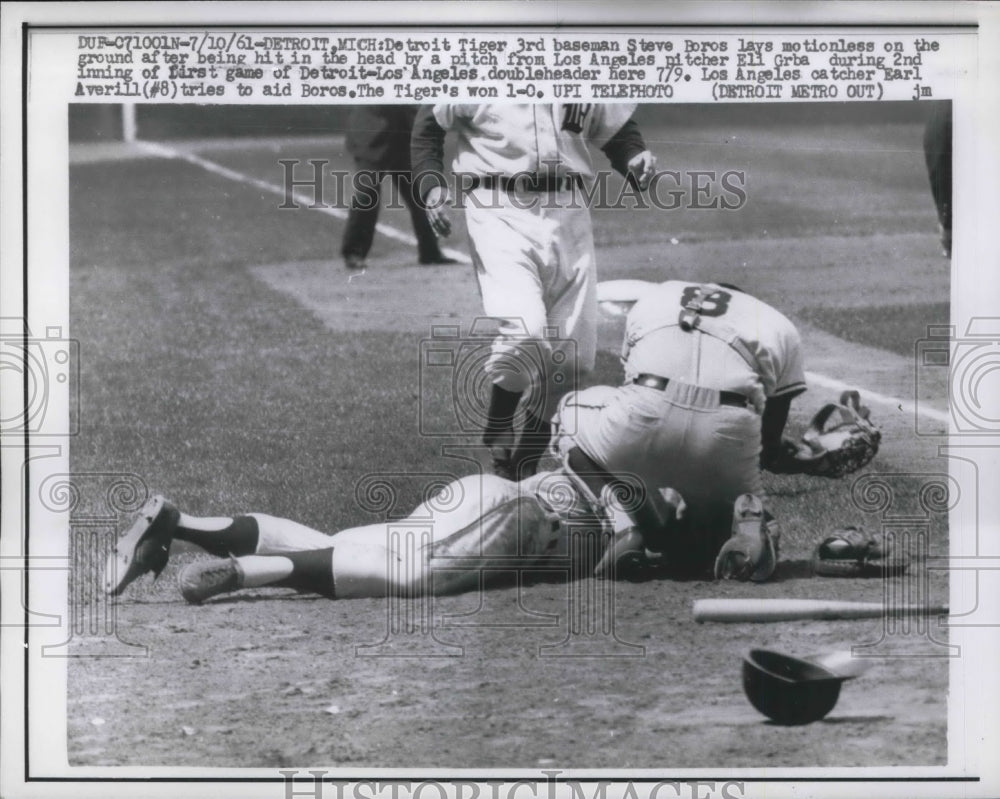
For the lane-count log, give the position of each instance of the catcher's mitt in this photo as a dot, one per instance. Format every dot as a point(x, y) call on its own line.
point(851, 552)
point(840, 439)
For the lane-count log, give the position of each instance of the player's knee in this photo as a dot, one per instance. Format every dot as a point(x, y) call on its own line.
point(514, 364)
point(528, 325)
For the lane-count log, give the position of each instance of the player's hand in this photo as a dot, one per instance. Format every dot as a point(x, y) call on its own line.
point(642, 167)
point(436, 204)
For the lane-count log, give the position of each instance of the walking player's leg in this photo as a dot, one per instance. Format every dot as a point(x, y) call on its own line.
point(571, 318)
point(503, 245)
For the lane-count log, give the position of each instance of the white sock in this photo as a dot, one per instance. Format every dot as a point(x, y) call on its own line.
point(207, 524)
point(260, 570)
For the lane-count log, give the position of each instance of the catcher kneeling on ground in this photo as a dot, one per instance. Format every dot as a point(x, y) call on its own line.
point(710, 375)
point(474, 526)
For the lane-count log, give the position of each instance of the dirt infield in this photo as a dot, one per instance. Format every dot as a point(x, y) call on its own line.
point(271, 382)
point(499, 686)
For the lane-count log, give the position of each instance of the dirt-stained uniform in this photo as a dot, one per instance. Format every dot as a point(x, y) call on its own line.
point(472, 527)
point(449, 541)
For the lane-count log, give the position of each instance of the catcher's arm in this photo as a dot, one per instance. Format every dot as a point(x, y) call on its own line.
point(777, 453)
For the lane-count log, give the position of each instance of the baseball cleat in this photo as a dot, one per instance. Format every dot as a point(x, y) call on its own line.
point(144, 548)
point(749, 554)
point(204, 579)
point(355, 263)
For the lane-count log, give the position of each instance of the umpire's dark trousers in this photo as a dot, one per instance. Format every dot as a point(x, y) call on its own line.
point(366, 204)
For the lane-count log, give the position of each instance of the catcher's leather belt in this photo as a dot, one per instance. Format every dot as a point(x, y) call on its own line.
point(537, 183)
point(660, 383)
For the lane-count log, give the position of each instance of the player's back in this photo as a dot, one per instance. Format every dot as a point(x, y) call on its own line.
point(713, 337)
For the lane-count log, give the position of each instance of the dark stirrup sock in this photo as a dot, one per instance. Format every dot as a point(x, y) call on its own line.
point(532, 445)
point(239, 538)
point(500, 414)
point(312, 571)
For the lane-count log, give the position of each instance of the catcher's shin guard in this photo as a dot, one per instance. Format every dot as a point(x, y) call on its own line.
point(750, 553)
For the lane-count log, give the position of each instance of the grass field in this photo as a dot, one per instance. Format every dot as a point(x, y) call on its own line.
point(229, 361)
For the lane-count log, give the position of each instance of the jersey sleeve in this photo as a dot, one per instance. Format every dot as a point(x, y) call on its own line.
point(790, 376)
point(623, 146)
point(427, 151)
point(608, 120)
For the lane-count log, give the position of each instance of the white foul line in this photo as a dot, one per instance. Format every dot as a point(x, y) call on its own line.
point(869, 397)
point(163, 151)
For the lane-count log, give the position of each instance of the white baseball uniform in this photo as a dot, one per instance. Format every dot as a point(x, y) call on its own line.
point(707, 359)
point(472, 526)
point(534, 250)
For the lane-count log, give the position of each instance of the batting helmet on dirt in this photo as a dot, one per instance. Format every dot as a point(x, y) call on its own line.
point(788, 690)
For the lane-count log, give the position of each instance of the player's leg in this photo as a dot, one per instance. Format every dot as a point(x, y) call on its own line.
point(446, 545)
point(308, 571)
point(502, 528)
point(366, 202)
point(644, 518)
point(571, 313)
point(503, 248)
point(289, 555)
point(590, 428)
point(145, 546)
point(730, 525)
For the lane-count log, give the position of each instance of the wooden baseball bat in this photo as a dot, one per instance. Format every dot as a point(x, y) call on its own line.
point(777, 609)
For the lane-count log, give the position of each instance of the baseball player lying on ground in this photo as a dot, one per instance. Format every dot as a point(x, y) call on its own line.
point(475, 524)
point(659, 470)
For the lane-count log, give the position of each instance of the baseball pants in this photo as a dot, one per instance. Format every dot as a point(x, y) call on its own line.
point(446, 545)
point(679, 438)
point(534, 258)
